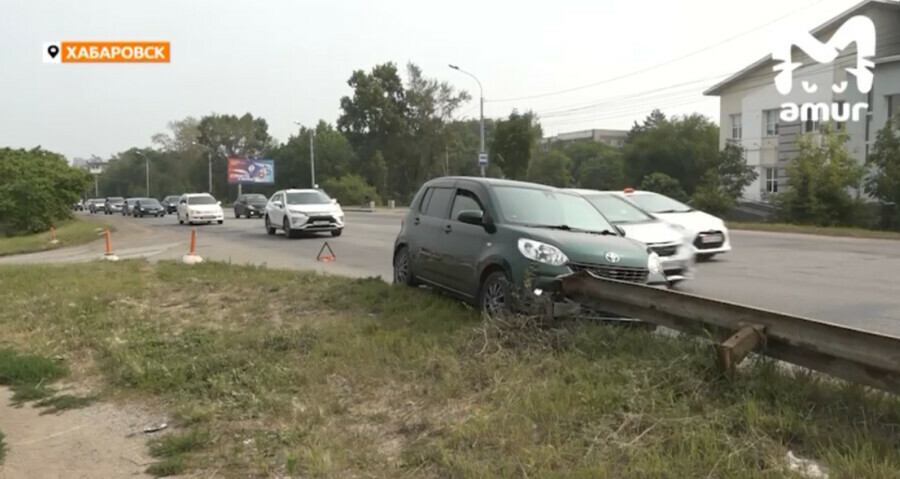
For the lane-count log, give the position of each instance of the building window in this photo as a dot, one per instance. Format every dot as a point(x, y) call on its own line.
point(771, 117)
point(771, 180)
point(893, 105)
point(736, 127)
point(810, 126)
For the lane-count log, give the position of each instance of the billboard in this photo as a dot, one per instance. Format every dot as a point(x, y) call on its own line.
point(251, 171)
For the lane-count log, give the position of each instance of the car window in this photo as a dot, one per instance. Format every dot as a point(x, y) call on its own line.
point(657, 203)
point(540, 207)
point(439, 203)
point(307, 198)
point(423, 205)
point(617, 210)
point(465, 200)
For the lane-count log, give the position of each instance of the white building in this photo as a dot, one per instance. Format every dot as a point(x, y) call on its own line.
point(750, 104)
point(614, 138)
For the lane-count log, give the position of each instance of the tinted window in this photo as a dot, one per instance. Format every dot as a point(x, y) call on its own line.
point(439, 203)
point(425, 199)
point(307, 198)
point(150, 202)
point(656, 203)
point(254, 198)
point(465, 201)
point(201, 200)
point(539, 207)
point(618, 210)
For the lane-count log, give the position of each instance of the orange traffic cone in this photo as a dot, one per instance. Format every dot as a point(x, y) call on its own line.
point(191, 257)
point(53, 239)
point(109, 256)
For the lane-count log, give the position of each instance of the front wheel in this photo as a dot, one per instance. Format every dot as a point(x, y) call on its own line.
point(286, 227)
point(269, 228)
point(702, 258)
point(494, 298)
point(402, 268)
point(337, 233)
point(180, 221)
point(221, 221)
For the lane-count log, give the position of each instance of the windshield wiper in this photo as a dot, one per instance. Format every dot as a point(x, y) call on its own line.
point(576, 230)
point(676, 211)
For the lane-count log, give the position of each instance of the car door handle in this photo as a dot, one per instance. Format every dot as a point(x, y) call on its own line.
point(416, 221)
point(448, 229)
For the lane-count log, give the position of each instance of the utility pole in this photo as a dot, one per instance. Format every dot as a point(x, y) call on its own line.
point(312, 159)
point(446, 160)
point(482, 154)
point(96, 185)
point(209, 157)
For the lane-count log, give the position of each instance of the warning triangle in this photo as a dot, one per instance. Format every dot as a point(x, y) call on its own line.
point(325, 257)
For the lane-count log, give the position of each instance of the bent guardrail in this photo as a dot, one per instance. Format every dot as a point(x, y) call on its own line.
point(859, 356)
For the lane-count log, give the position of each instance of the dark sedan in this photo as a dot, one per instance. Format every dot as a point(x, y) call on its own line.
point(170, 203)
point(250, 205)
point(147, 207)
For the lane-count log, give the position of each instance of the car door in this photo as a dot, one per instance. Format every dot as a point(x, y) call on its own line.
point(465, 243)
point(240, 206)
point(427, 230)
point(275, 209)
point(182, 207)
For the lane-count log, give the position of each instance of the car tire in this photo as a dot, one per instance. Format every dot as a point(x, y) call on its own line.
point(237, 215)
point(269, 228)
point(180, 221)
point(337, 233)
point(286, 226)
point(702, 258)
point(402, 268)
point(494, 295)
point(221, 221)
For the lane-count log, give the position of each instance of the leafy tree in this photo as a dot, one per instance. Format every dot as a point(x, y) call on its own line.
point(681, 147)
point(334, 157)
point(461, 150)
point(721, 186)
point(37, 189)
point(229, 135)
point(884, 160)
point(596, 165)
point(513, 144)
point(819, 180)
point(711, 196)
point(551, 168)
point(350, 189)
point(663, 184)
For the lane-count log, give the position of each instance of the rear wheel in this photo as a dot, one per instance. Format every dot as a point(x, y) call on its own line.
point(269, 228)
point(494, 298)
point(402, 270)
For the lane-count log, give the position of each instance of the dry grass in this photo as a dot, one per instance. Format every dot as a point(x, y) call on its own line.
point(276, 373)
point(70, 233)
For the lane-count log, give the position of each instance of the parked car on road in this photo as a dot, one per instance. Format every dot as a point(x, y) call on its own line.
point(706, 233)
point(199, 208)
point(480, 238)
point(78, 206)
point(170, 203)
point(113, 204)
point(128, 206)
point(673, 248)
point(296, 211)
point(95, 205)
point(250, 205)
point(147, 207)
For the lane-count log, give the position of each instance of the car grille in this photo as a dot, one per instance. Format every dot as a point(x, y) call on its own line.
point(327, 218)
point(700, 244)
point(620, 273)
point(664, 250)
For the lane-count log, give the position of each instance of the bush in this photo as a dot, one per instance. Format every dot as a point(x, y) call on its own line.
point(351, 190)
point(663, 184)
point(37, 189)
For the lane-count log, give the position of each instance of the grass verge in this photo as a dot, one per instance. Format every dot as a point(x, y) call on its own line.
point(273, 373)
point(70, 233)
point(2, 449)
point(815, 230)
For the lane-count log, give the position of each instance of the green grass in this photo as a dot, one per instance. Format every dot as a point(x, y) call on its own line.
point(323, 376)
point(2, 449)
point(70, 233)
point(815, 230)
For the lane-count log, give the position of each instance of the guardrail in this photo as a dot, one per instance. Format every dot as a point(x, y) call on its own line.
point(859, 356)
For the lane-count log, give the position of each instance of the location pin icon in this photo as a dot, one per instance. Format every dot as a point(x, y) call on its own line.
point(53, 50)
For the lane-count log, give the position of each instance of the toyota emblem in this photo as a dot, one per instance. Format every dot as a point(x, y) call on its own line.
point(612, 257)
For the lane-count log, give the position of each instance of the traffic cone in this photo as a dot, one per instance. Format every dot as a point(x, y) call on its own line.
point(109, 256)
point(191, 257)
point(53, 239)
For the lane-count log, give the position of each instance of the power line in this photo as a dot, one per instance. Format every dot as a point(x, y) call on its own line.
point(653, 67)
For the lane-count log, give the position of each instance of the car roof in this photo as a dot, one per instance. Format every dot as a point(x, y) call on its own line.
point(197, 194)
point(494, 182)
point(302, 190)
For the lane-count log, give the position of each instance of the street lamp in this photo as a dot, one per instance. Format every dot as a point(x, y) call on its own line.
point(481, 101)
point(147, 166)
point(312, 156)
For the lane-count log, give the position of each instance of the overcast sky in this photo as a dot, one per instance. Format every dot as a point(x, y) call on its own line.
point(289, 60)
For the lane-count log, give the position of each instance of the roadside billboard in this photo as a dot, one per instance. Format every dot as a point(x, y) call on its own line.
point(251, 171)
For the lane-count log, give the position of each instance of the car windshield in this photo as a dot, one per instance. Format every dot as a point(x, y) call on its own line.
point(117, 200)
point(657, 203)
point(617, 210)
point(546, 208)
point(201, 200)
point(171, 199)
point(149, 202)
point(255, 198)
point(307, 198)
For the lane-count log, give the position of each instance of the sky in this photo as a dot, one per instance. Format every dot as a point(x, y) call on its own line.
point(289, 60)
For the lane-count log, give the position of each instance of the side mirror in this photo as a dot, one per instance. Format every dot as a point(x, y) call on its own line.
point(182, 202)
point(334, 201)
point(219, 203)
point(620, 230)
point(277, 203)
point(471, 217)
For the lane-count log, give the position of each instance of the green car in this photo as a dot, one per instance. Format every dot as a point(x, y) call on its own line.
point(493, 242)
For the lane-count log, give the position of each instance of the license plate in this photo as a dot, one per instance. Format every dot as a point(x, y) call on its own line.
point(712, 239)
point(320, 222)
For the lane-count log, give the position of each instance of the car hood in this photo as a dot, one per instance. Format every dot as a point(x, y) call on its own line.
point(590, 248)
point(652, 232)
point(693, 221)
point(205, 208)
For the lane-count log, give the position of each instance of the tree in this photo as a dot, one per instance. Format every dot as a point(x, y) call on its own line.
point(37, 189)
point(351, 189)
point(551, 168)
point(663, 184)
point(819, 180)
point(884, 161)
point(722, 186)
point(232, 136)
point(334, 157)
point(513, 144)
point(595, 165)
point(681, 147)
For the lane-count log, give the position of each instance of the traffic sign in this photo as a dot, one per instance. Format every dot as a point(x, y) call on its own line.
point(482, 159)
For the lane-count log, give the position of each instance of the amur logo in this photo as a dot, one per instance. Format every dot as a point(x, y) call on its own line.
point(859, 30)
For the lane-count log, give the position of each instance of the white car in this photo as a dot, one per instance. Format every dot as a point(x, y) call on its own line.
point(706, 233)
point(199, 208)
point(674, 250)
point(295, 211)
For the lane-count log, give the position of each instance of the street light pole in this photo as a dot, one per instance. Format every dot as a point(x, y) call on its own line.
point(209, 158)
point(312, 156)
point(481, 107)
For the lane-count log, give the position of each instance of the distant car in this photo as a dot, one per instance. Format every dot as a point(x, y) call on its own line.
point(170, 203)
point(113, 204)
point(706, 233)
point(250, 205)
point(199, 208)
point(79, 206)
point(128, 207)
point(95, 205)
point(674, 250)
point(147, 207)
point(296, 211)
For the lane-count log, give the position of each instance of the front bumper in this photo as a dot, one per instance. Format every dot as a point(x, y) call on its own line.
point(206, 217)
point(710, 242)
point(317, 223)
point(678, 263)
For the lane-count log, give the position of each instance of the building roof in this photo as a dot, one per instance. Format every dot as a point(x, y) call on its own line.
point(717, 88)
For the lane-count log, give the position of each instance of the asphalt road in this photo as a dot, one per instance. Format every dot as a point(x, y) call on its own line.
point(855, 282)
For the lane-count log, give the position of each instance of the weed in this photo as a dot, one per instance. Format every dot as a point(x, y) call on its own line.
point(64, 402)
point(2, 448)
point(171, 466)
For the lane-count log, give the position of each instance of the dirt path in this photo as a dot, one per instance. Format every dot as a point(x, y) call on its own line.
point(84, 443)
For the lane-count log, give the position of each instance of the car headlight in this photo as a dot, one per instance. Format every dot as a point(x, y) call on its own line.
point(542, 252)
point(297, 212)
point(654, 264)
